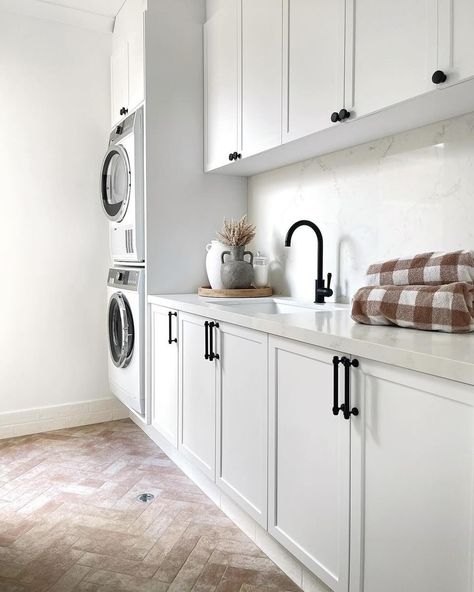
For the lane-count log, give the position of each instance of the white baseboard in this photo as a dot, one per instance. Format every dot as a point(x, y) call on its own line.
point(278, 554)
point(57, 417)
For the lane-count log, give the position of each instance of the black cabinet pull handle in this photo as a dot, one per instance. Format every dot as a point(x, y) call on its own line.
point(335, 117)
point(170, 331)
point(438, 77)
point(212, 355)
point(231, 156)
point(335, 404)
point(346, 407)
point(206, 340)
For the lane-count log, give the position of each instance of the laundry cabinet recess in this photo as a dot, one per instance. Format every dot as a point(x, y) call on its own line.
point(127, 63)
point(290, 79)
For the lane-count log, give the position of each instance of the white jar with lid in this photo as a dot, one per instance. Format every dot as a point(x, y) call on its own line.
point(260, 269)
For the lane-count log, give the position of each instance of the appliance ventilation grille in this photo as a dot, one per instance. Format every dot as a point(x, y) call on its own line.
point(129, 240)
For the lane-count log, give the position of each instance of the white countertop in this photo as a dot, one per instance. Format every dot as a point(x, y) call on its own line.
point(440, 354)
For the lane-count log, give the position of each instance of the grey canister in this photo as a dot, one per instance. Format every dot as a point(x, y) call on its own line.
point(236, 272)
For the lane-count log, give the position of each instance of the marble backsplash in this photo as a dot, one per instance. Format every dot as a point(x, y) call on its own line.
point(400, 195)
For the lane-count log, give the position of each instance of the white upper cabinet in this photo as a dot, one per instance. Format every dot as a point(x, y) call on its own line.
point(412, 452)
point(309, 452)
point(119, 81)
point(313, 65)
point(456, 46)
point(395, 52)
point(221, 85)
point(261, 67)
point(243, 77)
point(128, 60)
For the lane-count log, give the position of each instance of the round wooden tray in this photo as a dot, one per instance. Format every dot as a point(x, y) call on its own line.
point(247, 293)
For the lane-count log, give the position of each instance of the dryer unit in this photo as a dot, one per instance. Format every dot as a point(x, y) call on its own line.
point(122, 190)
point(126, 323)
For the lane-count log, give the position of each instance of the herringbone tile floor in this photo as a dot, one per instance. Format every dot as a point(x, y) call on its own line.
point(70, 520)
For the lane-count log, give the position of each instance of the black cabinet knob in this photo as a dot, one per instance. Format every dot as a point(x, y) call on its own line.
point(335, 117)
point(344, 114)
point(119, 130)
point(236, 155)
point(439, 77)
point(231, 156)
point(123, 111)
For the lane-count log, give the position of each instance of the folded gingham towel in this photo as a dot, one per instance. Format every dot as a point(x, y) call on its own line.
point(431, 269)
point(447, 308)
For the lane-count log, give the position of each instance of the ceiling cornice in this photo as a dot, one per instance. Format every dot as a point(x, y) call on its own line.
point(59, 14)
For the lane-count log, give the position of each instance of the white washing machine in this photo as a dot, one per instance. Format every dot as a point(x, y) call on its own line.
point(126, 331)
point(122, 190)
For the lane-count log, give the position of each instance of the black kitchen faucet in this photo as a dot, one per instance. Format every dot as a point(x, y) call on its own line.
point(320, 291)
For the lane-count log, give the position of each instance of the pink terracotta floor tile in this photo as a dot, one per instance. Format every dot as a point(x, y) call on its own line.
point(70, 520)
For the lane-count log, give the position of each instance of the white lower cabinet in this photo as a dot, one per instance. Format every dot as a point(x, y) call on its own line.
point(309, 454)
point(197, 394)
point(242, 412)
point(412, 482)
point(164, 372)
point(380, 500)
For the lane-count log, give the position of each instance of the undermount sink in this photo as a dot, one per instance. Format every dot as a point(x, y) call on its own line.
point(275, 307)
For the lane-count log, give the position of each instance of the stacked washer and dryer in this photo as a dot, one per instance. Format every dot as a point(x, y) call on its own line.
point(122, 192)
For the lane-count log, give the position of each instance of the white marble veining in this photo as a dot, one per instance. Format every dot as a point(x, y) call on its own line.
point(439, 354)
point(400, 195)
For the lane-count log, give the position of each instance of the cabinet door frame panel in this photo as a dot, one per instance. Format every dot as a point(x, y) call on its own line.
point(259, 514)
point(433, 386)
point(337, 583)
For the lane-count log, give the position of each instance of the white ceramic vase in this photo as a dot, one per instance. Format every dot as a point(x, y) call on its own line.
point(213, 263)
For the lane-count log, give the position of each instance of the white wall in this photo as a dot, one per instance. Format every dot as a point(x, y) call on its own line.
point(401, 195)
point(54, 96)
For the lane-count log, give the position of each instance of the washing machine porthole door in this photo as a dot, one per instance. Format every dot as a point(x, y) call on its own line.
point(115, 183)
point(121, 331)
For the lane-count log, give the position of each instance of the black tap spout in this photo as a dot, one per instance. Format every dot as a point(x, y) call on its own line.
point(321, 291)
point(319, 236)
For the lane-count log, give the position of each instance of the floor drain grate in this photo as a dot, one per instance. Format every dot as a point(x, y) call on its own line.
point(145, 497)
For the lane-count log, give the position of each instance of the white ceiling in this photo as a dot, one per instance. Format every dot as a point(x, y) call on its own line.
point(102, 7)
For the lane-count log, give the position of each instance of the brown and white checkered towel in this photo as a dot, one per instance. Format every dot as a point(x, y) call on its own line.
point(447, 308)
point(431, 269)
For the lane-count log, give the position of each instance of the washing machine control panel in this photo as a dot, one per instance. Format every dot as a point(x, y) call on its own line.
point(124, 278)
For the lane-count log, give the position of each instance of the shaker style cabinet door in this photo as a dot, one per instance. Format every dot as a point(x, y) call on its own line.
point(309, 451)
point(313, 65)
point(242, 407)
point(119, 81)
point(164, 372)
point(412, 482)
point(456, 46)
point(261, 75)
point(222, 85)
point(198, 395)
point(395, 52)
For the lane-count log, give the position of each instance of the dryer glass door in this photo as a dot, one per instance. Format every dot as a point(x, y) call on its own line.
point(121, 330)
point(115, 183)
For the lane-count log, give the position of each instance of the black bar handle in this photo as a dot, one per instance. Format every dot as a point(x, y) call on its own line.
point(206, 340)
point(170, 330)
point(346, 407)
point(335, 404)
point(212, 355)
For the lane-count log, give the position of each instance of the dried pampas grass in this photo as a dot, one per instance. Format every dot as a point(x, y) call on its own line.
point(236, 233)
